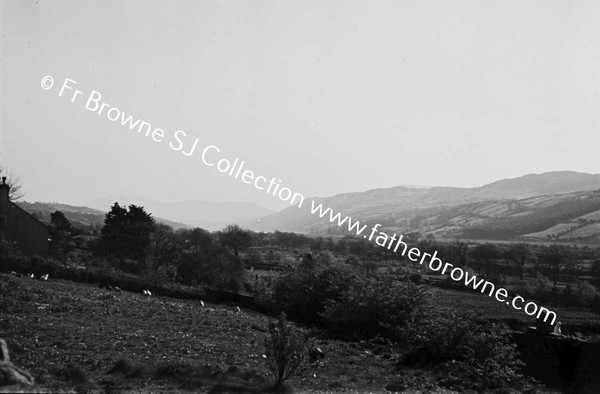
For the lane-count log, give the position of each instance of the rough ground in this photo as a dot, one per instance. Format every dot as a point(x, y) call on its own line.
point(70, 335)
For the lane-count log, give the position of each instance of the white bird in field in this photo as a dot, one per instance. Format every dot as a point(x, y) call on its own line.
point(32, 276)
point(44, 277)
point(117, 289)
point(201, 302)
point(238, 309)
point(147, 292)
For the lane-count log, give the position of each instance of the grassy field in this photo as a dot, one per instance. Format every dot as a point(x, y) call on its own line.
point(70, 336)
point(572, 319)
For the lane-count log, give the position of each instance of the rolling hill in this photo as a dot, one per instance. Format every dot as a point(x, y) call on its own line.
point(556, 205)
point(82, 217)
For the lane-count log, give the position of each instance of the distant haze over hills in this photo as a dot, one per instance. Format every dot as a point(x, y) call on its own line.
point(555, 206)
point(506, 209)
point(195, 213)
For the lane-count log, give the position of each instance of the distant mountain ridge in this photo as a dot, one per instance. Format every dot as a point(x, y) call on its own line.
point(557, 206)
point(547, 183)
point(460, 212)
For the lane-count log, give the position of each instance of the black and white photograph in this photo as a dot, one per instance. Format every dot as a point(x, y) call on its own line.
point(300, 196)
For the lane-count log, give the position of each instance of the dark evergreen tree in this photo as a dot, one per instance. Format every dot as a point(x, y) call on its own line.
point(126, 233)
point(61, 232)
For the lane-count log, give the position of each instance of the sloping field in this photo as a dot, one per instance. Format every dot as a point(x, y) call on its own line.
point(69, 335)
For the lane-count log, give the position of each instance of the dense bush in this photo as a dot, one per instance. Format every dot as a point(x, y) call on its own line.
point(303, 293)
point(472, 355)
point(225, 272)
point(351, 305)
point(376, 307)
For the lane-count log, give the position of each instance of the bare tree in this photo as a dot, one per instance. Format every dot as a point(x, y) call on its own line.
point(485, 255)
point(163, 249)
point(235, 238)
point(557, 258)
point(15, 192)
point(519, 255)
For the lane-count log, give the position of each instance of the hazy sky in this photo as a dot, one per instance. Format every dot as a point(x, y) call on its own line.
point(329, 96)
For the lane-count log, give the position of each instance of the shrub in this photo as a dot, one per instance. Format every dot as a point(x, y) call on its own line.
point(582, 295)
point(472, 355)
point(287, 351)
point(263, 293)
point(376, 307)
point(226, 272)
point(303, 293)
point(416, 278)
point(543, 285)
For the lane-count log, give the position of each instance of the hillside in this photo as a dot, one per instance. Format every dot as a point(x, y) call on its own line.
point(101, 341)
point(507, 209)
point(82, 217)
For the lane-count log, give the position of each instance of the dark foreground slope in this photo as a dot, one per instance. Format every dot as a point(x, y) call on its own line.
point(70, 335)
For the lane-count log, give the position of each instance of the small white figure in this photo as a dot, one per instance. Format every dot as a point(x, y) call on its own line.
point(238, 309)
point(44, 277)
point(32, 276)
point(201, 302)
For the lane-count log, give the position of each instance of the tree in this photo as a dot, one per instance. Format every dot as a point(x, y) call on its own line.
point(13, 183)
point(235, 238)
point(163, 249)
point(126, 233)
point(61, 231)
point(196, 245)
point(225, 271)
point(519, 255)
point(202, 258)
point(113, 232)
point(459, 252)
point(484, 255)
point(557, 258)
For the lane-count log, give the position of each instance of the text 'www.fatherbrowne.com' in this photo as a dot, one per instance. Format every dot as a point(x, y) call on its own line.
point(212, 156)
point(397, 245)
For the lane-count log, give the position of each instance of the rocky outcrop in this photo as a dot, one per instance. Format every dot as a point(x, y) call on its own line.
point(10, 374)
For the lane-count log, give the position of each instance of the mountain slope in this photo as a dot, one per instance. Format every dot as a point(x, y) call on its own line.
point(505, 209)
point(547, 183)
